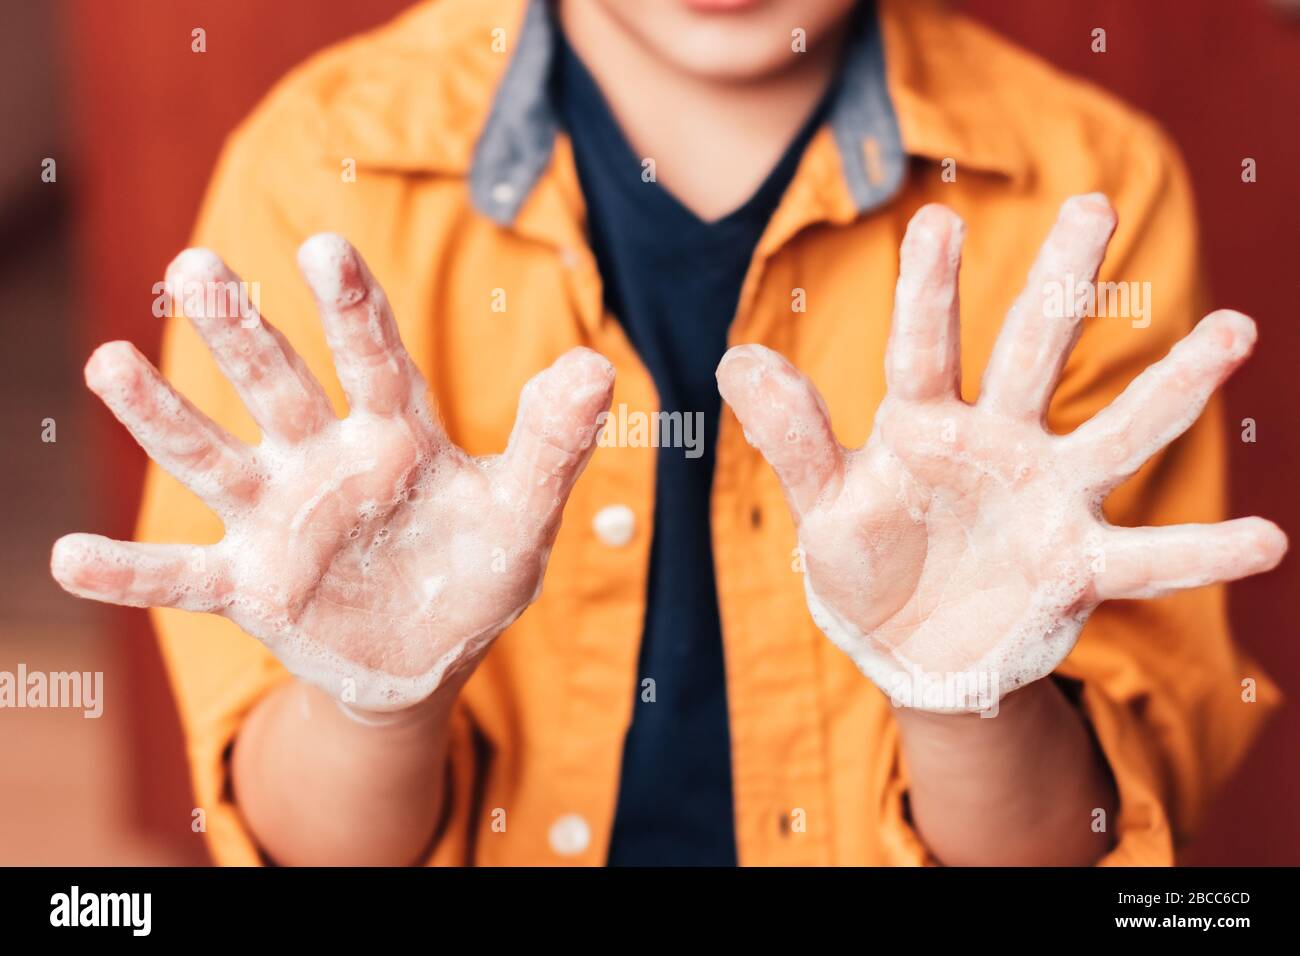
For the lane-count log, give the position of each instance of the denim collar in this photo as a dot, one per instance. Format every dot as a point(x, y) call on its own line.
point(515, 145)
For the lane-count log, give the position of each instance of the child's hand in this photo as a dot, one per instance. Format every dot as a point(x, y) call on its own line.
point(371, 555)
point(967, 541)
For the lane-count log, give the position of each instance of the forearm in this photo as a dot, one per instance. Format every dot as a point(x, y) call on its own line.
point(318, 787)
point(1018, 789)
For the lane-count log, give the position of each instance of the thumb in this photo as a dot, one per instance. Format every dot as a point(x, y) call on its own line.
point(555, 429)
point(784, 418)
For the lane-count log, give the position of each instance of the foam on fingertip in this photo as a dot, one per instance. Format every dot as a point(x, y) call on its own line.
point(1234, 332)
point(194, 265)
point(66, 556)
point(332, 269)
point(112, 366)
point(1270, 543)
point(934, 238)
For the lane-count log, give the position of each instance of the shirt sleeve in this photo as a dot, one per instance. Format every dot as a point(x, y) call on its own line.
point(1173, 703)
point(217, 672)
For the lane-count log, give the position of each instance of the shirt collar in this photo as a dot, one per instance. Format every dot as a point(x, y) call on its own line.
point(515, 144)
point(948, 105)
point(911, 86)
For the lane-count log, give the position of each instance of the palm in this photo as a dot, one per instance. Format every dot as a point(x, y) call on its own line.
point(370, 554)
point(967, 538)
point(978, 563)
point(398, 571)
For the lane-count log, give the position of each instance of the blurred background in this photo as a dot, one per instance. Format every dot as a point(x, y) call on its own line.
point(111, 91)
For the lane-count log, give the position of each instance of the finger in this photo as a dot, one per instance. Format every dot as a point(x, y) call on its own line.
point(555, 429)
point(1043, 324)
point(785, 419)
point(373, 366)
point(185, 442)
point(283, 397)
point(192, 578)
point(1164, 401)
point(923, 358)
point(1139, 563)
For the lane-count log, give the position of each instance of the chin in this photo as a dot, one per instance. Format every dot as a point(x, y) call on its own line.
point(730, 53)
point(728, 39)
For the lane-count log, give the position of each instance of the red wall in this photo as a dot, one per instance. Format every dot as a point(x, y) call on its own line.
point(1224, 78)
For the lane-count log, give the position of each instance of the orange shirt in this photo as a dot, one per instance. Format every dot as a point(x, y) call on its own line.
point(398, 140)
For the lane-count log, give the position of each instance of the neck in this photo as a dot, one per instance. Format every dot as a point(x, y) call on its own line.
point(713, 140)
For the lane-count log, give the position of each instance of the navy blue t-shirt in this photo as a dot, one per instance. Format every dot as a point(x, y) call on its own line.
point(673, 281)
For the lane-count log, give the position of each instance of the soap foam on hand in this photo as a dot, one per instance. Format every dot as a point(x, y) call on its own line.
point(372, 556)
point(957, 555)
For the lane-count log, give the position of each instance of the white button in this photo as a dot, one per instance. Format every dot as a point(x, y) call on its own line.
point(614, 525)
point(569, 258)
point(503, 193)
point(569, 835)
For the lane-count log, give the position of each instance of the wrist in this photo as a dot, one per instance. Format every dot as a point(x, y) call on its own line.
point(1022, 703)
point(347, 717)
point(434, 707)
point(416, 713)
